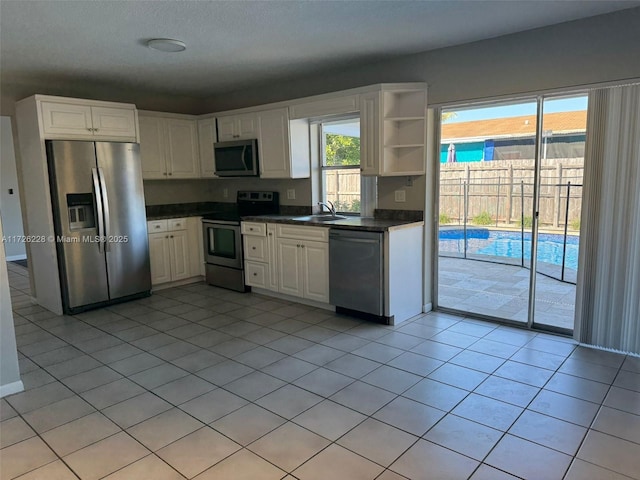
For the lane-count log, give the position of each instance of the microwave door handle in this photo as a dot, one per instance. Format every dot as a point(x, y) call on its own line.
point(244, 158)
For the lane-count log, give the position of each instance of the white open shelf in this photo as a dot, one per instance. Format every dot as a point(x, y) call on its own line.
point(404, 160)
point(404, 104)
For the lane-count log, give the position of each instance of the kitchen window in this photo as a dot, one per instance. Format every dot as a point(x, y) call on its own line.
point(341, 181)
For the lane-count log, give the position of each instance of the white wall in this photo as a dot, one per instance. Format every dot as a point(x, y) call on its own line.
point(9, 371)
point(599, 49)
point(160, 192)
point(10, 203)
point(592, 50)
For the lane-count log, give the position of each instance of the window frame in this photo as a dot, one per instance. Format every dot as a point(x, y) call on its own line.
point(368, 185)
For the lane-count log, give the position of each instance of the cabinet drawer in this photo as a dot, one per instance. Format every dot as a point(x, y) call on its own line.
point(255, 248)
point(318, 234)
point(177, 224)
point(256, 274)
point(253, 228)
point(155, 226)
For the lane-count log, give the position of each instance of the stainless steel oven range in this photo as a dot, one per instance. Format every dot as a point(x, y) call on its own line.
point(223, 241)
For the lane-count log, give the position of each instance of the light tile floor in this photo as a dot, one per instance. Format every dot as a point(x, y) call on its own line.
point(199, 382)
point(501, 290)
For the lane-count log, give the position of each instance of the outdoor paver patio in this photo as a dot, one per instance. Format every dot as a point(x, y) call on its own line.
point(500, 290)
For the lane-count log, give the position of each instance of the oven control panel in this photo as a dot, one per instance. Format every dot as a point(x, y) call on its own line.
point(257, 196)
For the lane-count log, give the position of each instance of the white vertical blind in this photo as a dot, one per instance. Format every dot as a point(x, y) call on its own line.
point(608, 295)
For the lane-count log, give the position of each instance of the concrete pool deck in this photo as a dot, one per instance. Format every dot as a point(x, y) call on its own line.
point(500, 290)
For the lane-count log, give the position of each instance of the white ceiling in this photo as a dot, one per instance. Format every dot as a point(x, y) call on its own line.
point(235, 44)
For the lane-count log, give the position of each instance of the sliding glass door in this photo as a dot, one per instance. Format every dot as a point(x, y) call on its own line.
point(508, 229)
point(564, 124)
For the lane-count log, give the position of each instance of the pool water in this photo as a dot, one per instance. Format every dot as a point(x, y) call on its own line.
point(500, 243)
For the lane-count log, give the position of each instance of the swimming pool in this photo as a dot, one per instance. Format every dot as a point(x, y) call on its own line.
point(501, 243)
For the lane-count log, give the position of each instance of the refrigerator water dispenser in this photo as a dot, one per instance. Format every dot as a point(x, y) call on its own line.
point(80, 209)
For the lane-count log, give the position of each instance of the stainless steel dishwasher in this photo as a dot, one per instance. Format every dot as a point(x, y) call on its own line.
point(356, 271)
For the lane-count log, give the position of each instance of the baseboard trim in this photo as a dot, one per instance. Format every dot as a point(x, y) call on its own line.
point(11, 388)
point(291, 298)
point(427, 307)
point(177, 283)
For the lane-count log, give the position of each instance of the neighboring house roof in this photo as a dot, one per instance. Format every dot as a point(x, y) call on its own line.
point(523, 126)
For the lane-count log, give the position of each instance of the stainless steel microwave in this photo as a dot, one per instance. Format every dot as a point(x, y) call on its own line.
point(237, 158)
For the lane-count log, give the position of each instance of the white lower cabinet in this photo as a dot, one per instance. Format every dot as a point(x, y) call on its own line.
point(169, 251)
point(160, 259)
point(303, 268)
point(287, 259)
point(260, 255)
point(289, 267)
point(314, 266)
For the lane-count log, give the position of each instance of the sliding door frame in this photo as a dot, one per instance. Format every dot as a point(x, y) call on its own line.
point(539, 98)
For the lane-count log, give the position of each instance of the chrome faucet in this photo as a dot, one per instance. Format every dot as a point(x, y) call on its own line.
point(332, 208)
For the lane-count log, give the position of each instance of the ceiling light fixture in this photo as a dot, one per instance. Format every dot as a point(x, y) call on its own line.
point(166, 45)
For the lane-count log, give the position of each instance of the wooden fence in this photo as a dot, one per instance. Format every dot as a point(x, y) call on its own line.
point(343, 189)
point(503, 189)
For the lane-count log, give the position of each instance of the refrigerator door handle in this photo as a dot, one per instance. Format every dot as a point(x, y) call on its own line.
point(105, 207)
point(98, 196)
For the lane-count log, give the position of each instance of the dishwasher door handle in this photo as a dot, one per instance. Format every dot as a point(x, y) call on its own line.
point(353, 240)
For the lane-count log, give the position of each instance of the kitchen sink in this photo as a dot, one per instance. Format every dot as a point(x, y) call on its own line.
point(319, 218)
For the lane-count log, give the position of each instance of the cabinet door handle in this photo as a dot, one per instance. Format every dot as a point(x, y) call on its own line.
point(166, 236)
point(251, 229)
point(270, 234)
point(253, 248)
point(170, 173)
point(171, 236)
point(255, 274)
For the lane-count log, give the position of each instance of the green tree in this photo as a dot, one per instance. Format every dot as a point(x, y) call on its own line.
point(446, 116)
point(342, 150)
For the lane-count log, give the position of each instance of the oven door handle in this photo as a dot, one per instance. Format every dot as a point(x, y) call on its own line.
point(211, 247)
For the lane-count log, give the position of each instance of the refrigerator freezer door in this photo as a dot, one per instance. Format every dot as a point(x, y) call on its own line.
point(82, 264)
point(127, 247)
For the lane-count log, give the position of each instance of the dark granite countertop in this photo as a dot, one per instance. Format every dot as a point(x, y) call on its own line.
point(349, 223)
point(384, 220)
point(177, 210)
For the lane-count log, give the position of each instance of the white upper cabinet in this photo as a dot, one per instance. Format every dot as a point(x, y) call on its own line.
point(182, 148)
point(82, 119)
point(393, 131)
point(370, 133)
point(113, 122)
point(283, 145)
point(168, 146)
point(206, 138)
point(331, 105)
point(152, 147)
point(237, 127)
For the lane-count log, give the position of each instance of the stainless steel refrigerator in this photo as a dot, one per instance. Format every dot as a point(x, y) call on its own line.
point(100, 222)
